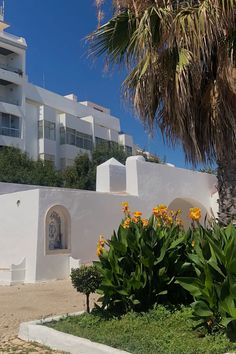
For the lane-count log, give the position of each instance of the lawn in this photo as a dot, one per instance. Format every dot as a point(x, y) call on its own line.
point(160, 331)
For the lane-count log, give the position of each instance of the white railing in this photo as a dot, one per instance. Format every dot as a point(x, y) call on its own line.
point(12, 37)
point(9, 100)
point(14, 133)
point(11, 68)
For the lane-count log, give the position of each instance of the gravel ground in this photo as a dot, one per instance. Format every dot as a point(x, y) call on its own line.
point(22, 303)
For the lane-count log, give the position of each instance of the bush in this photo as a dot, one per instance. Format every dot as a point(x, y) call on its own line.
point(86, 280)
point(142, 260)
point(213, 285)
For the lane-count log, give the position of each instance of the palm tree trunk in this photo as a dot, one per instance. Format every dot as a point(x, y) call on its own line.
point(227, 190)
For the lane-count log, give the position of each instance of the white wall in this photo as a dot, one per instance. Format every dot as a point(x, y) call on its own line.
point(18, 232)
point(31, 130)
point(160, 183)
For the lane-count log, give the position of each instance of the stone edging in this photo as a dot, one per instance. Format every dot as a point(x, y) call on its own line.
point(33, 331)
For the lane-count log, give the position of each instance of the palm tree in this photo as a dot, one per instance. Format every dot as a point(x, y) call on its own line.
point(180, 57)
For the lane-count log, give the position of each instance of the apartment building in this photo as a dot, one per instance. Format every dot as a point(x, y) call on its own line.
point(42, 123)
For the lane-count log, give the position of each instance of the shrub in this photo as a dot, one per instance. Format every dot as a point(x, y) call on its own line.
point(86, 280)
point(141, 261)
point(213, 285)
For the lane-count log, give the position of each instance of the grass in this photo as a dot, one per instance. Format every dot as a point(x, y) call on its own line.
point(159, 331)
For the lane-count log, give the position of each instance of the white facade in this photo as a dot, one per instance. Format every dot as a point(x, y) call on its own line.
point(46, 231)
point(45, 124)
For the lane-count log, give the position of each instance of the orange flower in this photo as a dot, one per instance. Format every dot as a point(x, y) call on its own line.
point(135, 220)
point(195, 214)
point(126, 223)
point(145, 222)
point(125, 207)
point(137, 214)
point(159, 210)
point(101, 240)
point(99, 250)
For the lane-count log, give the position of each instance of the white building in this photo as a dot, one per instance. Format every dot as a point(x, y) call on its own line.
point(43, 123)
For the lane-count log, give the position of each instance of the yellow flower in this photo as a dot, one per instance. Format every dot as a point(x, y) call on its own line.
point(137, 214)
point(126, 223)
point(145, 222)
point(169, 220)
point(99, 250)
point(125, 207)
point(101, 240)
point(155, 211)
point(195, 214)
point(160, 210)
point(135, 220)
point(162, 207)
point(193, 243)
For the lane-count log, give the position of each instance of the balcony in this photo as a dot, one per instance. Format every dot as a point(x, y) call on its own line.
point(11, 68)
point(9, 100)
point(11, 38)
point(14, 133)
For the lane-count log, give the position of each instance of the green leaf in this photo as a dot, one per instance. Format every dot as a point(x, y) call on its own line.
point(201, 309)
point(193, 285)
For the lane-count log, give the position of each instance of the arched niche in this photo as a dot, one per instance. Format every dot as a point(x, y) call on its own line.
point(57, 230)
point(184, 204)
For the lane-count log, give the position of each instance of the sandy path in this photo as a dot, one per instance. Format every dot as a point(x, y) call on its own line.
point(29, 302)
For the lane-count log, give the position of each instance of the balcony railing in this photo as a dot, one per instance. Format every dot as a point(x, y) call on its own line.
point(15, 133)
point(11, 68)
point(9, 36)
point(9, 100)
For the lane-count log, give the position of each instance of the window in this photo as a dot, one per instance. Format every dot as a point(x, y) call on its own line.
point(84, 141)
point(100, 141)
point(49, 130)
point(129, 150)
point(40, 129)
point(10, 125)
point(62, 135)
point(57, 230)
point(72, 137)
point(46, 130)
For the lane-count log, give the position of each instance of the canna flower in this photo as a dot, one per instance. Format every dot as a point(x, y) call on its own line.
point(126, 223)
point(137, 214)
point(195, 214)
point(145, 222)
point(159, 210)
point(125, 207)
point(100, 245)
point(101, 240)
point(99, 250)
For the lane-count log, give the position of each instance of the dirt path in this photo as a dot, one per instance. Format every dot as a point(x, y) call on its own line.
point(30, 302)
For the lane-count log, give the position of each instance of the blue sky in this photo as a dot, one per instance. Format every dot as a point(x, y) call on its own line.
point(57, 59)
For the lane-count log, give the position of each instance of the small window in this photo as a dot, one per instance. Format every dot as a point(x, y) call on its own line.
point(62, 135)
point(70, 136)
point(46, 130)
point(10, 125)
point(129, 150)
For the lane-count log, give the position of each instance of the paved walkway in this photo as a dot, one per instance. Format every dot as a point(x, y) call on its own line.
point(22, 303)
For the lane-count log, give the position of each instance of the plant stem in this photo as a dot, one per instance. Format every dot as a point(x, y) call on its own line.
point(87, 302)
